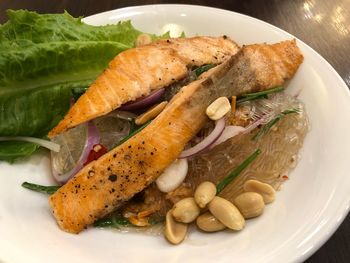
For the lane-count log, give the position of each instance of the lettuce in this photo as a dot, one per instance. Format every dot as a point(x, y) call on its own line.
point(42, 58)
point(11, 151)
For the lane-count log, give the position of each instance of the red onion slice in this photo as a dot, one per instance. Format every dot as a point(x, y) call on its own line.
point(207, 142)
point(143, 102)
point(92, 138)
point(228, 133)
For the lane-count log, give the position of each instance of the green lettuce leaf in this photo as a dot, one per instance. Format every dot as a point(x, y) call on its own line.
point(42, 58)
point(11, 151)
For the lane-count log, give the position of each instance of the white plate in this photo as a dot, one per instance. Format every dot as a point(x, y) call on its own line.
point(309, 209)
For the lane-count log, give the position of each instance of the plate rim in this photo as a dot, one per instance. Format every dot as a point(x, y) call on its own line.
point(324, 236)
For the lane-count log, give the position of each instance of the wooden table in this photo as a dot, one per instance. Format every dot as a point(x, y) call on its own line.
point(324, 25)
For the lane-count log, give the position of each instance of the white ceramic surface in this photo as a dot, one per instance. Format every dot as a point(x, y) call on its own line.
point(307, 211)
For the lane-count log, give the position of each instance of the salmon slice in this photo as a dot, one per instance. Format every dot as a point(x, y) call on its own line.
point(136, 72)
point(103, 185)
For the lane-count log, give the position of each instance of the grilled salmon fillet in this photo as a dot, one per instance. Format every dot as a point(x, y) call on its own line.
point(136, 72)
point(103, 185)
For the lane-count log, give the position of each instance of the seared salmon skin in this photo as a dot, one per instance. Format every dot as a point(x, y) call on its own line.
point(136, 72)
point(103, 185)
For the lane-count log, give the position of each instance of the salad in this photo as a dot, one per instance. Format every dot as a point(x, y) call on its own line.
point(175, 130)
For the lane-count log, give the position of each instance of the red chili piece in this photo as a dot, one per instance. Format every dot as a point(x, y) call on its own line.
point(96, 152)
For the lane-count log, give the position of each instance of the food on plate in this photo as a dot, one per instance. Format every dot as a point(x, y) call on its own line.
point(174, 130)
point(104, 185)
point(265, 190)
point(204, 193)
point(250, 204)
point(175, 232)
point(138, 71)
point(44, 58)
point(227, 213)
point(209, 223)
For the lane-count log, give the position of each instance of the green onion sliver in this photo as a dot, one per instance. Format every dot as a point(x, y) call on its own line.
point(127, 137)
point(41, 188)
point(265, 92)
point(203, 69)
point(118, 221)
point(114, 221)
point(258, 95)
point(228, 179)
point(268, 125)
point(133, 126)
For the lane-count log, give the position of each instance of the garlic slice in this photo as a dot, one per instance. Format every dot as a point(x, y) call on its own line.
point(173, 176)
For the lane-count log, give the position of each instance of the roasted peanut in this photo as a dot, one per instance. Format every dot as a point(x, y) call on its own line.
point(209, 223)
point(174, 232)
point(218, 109)
point(183, 191)
point(227, 213)
point(186, 210)
point(143, 39)
point(250, 204)
point(265, 190)
point(204, 193)
point(151, 113)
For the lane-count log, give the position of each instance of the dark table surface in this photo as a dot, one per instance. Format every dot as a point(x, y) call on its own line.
point(323, 24)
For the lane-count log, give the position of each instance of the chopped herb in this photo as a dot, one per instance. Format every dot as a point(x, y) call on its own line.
point(258, 95)
point(41, 188)
point(183, 35)
point(118, 221)
point(113, 221)
point(203, 69)
point(127, 137)
point(268, 91)
point(228, 179)
point(132, 126)
point(268, 125)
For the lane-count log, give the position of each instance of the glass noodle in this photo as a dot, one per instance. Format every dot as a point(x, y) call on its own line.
point(279, 155)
